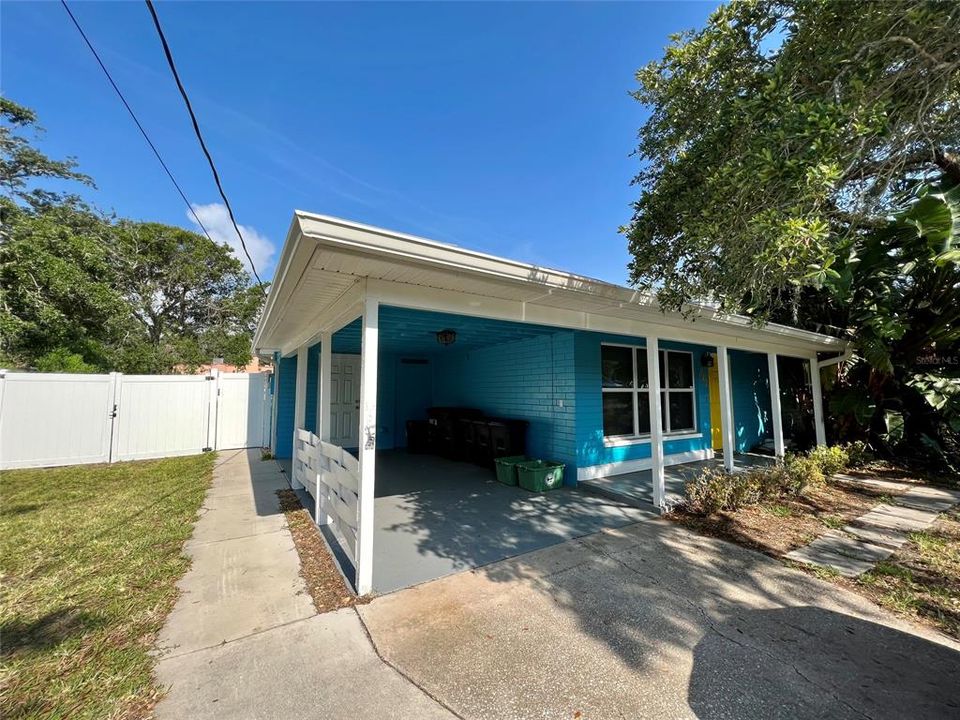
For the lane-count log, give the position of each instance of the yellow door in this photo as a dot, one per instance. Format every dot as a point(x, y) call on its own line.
point(713, 378)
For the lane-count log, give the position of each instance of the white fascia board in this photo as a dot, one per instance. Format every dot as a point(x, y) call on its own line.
point(374, 241)
point(657, 325)
point(294, 260)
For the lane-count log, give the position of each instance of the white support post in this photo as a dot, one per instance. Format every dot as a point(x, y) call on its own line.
point(656, 428)
point(299, 409)
point(817, 393)
point(369, 349)
point(323, 405)
point(776, 415)
point(726, 407)
point(323, 412)
point(273, 405)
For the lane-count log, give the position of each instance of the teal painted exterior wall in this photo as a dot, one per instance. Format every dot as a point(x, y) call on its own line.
point(285, 399)
point(750, 385)
point(531, 379)
point(590, 448)
point(313, 380)
point(386, 394)
point(552, 380)
point(412, 396)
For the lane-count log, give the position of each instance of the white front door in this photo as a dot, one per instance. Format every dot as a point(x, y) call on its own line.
point(345, 400)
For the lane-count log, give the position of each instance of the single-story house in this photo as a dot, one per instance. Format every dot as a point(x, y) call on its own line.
point(369, 329)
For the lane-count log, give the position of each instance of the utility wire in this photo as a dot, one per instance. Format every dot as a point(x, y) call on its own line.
point(135, 120)
point(196, 129)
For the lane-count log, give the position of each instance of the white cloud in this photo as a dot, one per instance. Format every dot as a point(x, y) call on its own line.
point(216, 220)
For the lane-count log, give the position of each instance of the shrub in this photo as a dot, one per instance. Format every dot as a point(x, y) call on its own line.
point(708, 492)
point(802, 471)
point(715, 490)
point(744, 490)
point(774, 481)
point(858, 453)
point(830, 459)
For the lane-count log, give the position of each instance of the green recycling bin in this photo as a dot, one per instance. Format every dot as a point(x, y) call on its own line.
point(540, 475)
point(507, 468)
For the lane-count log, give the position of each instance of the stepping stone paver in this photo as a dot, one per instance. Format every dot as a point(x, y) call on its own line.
point(874, 483)
point(922, 502)
point(876, 535)
point(885, 518)
point(846, 566)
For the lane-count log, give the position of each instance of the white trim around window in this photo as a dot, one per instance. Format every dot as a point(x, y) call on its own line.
point(621, 440)
point(634, 390)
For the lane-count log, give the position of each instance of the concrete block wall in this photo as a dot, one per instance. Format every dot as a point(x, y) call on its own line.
point(531, 379)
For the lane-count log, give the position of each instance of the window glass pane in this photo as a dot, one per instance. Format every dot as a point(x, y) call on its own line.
point(617, 366)
point(663, 376)
point(663, 412)
point(643, 412)
point(618, 413)
point(642, 368)
point(681, 411)
point(680, 369)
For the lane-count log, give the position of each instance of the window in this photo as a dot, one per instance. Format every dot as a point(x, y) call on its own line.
point(626, 392)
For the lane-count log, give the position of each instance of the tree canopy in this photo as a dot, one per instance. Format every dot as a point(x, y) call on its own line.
point(779, 131)
point(800, 164)
point(84, 291)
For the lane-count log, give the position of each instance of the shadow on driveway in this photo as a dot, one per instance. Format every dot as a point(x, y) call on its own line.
point(871, 669)
point(652, 620)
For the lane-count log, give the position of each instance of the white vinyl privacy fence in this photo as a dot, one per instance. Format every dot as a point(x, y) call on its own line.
point(51, 419)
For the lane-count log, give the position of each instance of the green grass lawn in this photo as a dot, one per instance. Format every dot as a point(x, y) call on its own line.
point(90, 559)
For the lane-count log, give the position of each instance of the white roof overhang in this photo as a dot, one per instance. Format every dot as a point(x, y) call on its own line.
point(328, 266)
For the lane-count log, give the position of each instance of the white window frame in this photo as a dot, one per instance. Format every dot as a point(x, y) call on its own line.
point(637, 436)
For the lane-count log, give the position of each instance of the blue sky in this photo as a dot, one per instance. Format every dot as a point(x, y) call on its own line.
point(505, 128)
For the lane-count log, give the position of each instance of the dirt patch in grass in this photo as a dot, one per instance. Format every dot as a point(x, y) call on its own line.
point(91, 556)
point(786, 524)
point(317, 567)
point(922, 579)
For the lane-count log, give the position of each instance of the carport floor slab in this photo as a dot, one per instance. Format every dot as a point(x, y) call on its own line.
point(653, 621)
point(436, 517)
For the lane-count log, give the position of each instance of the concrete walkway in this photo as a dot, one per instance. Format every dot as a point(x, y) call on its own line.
point(876, 535)
point(244, 640)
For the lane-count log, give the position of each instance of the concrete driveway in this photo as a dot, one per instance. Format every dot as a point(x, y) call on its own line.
point(653, 621)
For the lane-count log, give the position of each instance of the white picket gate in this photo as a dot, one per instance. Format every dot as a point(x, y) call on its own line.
point(332, 477)
point(49, 419)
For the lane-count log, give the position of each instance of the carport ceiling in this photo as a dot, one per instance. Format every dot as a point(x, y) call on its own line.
point(415, 332)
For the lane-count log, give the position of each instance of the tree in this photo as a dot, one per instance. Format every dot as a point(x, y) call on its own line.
point(81, 291)
point(21, 164)
point(190, 297)
point(801, 165)
point(58, 290)
point(781, 130)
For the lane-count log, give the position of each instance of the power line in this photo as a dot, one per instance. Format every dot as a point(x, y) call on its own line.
point(135, 120)
point(196, 129)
